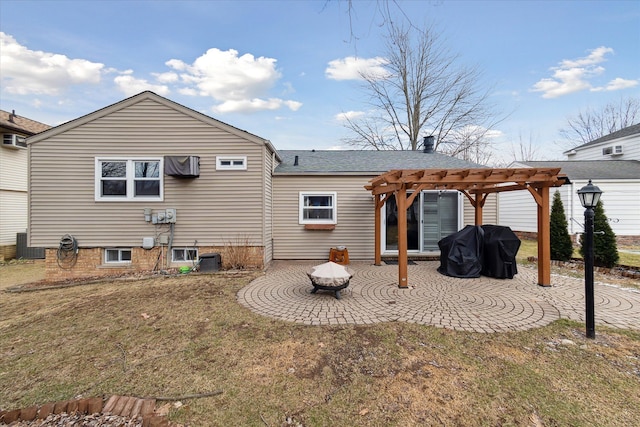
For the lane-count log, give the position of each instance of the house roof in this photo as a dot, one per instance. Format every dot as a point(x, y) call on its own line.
point(155, 97)
point(592, 169)
point(628, 131)
point(13, 122)
point(365, 162)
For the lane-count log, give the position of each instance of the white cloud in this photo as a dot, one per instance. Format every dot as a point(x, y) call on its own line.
point(239, 83)
point(349, 115)
point(595, 57)
point(353, 68)
point(253, 105)
point(618, 83)
point(130, 86)
point(574, 75)
point(27, 71)
point(166, 77)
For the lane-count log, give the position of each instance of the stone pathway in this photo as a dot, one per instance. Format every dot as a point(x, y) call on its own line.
point(479, 305)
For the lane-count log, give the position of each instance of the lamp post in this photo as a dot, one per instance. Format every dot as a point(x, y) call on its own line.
point(589, 197)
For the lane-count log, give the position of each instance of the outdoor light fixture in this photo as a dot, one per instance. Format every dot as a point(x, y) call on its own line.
point(589, 197)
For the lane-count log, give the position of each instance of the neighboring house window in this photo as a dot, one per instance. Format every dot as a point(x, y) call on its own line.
point(236, 163)
point(318, 207)
point(607, 150)
point(184, 254)
point(128, 179)
point(117, 255)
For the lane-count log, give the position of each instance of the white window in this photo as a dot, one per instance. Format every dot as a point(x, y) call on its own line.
point(184, 254)
point(117, 255)
point(229, 162)
point(128, 179)
point(318, 207)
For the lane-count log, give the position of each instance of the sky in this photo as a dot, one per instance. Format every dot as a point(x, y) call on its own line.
point(288, 71)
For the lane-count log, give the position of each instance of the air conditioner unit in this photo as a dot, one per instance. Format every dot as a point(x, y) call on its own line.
point(11, 140)
point(182, 166)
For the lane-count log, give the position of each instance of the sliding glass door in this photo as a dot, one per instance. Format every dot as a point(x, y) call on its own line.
point(432, 216)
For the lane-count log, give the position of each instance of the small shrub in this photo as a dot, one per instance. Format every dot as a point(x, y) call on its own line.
point(239, 254)
point(561, 245)
point(605, 248)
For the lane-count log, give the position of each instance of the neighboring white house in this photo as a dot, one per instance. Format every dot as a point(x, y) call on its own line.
point(14, 178)
point(612, 163)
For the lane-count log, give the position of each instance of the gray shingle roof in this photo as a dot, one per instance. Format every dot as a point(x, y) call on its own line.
point(628, 131)
point(364, 161)
point(593, 169)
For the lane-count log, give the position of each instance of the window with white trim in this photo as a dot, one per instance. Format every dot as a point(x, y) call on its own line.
point(231, 162)
point(184, 254)
point(130, 179)
point(117, 255)
point(317, 207)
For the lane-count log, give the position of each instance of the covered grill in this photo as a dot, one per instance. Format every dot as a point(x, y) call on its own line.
point(499, 254)
point(461, 253)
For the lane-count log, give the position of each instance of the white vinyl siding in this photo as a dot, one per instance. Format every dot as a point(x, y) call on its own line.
point(218, 207)
point(13, 194)
point(620, 199)
point(13, 215)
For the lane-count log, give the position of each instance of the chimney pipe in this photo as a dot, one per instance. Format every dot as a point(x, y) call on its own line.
point(12, 116)
point(427, 144)
point(295, 161)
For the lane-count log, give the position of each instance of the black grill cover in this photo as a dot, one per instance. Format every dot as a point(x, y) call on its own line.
point(461, 253)
point(499, 253)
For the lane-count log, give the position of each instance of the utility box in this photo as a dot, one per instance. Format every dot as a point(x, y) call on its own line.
point(210, 262)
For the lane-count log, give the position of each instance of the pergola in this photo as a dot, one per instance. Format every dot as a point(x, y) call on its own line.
point(476, 185)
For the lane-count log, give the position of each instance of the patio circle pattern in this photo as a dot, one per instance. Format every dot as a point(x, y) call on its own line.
point(479, 305)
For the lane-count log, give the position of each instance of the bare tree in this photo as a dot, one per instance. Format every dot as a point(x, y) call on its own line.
point(524, 150)
point(592, 124)
point(422, 92)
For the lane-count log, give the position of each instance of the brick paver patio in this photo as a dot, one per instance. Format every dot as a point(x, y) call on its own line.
point(480, 305)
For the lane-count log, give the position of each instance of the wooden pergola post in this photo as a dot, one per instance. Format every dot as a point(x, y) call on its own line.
point(378, 229)
point(401, 200)
point(478, 209)
point(544, 238)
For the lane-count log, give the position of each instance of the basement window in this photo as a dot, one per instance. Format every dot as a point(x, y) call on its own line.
point(184, 254)
point(117, 255)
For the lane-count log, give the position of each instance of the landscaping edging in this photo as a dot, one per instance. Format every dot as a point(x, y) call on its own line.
point(124, 406)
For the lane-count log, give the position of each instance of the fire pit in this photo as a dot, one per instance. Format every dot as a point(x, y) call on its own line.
point(329, 277)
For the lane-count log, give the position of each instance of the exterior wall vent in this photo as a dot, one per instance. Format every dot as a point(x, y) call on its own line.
point(182, 166)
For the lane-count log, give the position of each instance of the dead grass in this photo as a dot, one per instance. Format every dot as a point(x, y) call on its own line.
point(187, 334)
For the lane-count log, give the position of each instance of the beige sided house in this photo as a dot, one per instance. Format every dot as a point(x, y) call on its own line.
point(14, 178)
point(148, 184)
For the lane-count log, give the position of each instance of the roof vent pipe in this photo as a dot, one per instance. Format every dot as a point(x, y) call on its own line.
point(295, 161)
point(427, 144)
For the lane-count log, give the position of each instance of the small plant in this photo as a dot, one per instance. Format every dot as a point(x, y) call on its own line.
point(561, 245)
point(605, 248)
point(239, 254)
